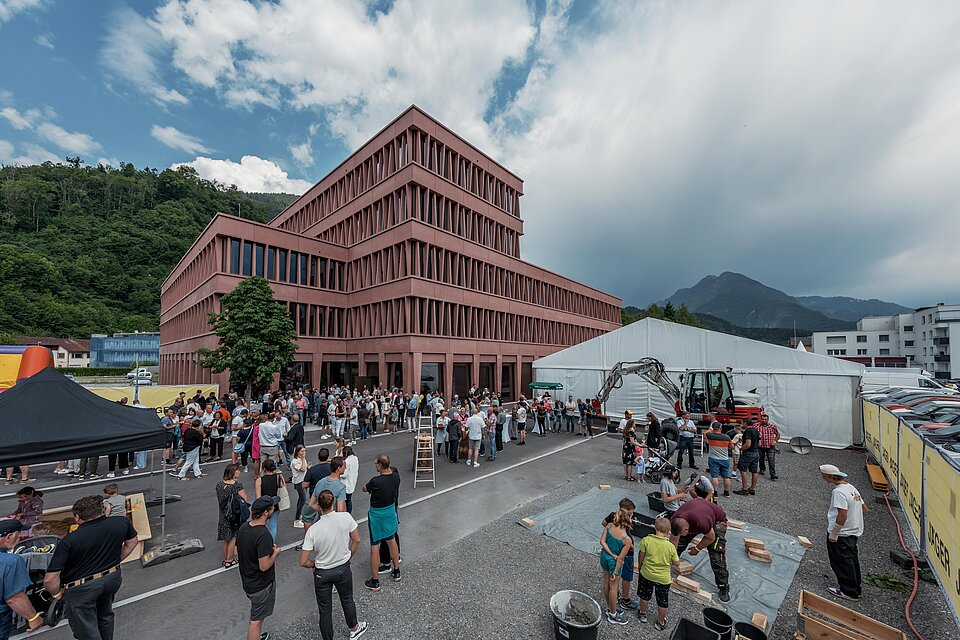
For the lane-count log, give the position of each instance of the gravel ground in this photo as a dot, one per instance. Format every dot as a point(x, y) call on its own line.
point(497, 582)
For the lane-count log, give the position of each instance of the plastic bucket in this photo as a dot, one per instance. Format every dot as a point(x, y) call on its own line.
point(717, 620)
point(749, 631)
point(576, 616)
point(689, 630)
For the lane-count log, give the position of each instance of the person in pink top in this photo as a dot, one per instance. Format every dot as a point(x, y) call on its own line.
point(255, 453)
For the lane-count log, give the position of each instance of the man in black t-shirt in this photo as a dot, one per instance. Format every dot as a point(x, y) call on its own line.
point(257, 554)
point(749, 459)
point(382, 521)
point(85, 568)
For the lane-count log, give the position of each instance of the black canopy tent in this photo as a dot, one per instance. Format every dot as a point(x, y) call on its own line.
point(47, 418)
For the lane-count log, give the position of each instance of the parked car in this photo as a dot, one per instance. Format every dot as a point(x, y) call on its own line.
point(947, 422)
point(142, 373)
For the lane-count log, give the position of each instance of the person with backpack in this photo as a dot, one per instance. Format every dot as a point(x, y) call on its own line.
point(229, 490)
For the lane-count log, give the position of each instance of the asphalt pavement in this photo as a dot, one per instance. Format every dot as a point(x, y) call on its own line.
point(194, 595)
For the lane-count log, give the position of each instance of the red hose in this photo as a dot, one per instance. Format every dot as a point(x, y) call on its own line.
point(916, 573)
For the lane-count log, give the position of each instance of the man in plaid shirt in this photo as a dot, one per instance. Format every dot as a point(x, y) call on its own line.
point(769, 436)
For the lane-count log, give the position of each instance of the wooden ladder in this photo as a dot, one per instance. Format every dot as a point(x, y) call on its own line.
point(423, 456)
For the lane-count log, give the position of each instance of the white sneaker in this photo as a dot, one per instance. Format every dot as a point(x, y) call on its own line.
point(298, 524)
point(469, 463)
point(476, 464)
point(325, 436)
point(361, 629)
point(126, 472)
point(111, 475)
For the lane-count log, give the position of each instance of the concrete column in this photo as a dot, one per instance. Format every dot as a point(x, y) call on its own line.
point(417, 361)
point(361, 365)
point(408, 381)
point(517, 378)
point(448, 378)
point(498, 374)
point(382, 369)
point(316, 369)
point(474, 371)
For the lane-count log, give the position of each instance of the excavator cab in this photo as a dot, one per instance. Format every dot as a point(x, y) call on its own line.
point(708, 392)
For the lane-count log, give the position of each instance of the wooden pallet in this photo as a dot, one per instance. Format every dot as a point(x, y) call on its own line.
point(822, 619)
point(877, 478)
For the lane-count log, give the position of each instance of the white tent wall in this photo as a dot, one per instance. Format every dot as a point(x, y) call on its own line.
point(805, 394)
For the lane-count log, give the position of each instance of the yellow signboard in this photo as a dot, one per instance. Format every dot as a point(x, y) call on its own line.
point(159, 397)
point(911, 479)
point(871, 428)
point(941, 516)
point(890, 445)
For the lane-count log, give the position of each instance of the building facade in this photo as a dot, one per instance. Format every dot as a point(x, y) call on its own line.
point(918, 339)
point(401, 267)
point(67, 352)
point(124, 349)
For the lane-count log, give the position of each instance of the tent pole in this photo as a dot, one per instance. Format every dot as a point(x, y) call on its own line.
point(163, 501)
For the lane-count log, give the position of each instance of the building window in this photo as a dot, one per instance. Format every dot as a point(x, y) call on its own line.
point(293, 268)
point(258, 260)
point(884, 352)
point(908, 343)
point(247, 258)
point(836, 352)
point(884, 337)
point(861, 338)
point(313, 272)
point(282, 261)
point(271, 262)
point(908, 327)
point(303, 269)
point(861, 352)
point(234, 255)
point(836, 339)
point(323, 273)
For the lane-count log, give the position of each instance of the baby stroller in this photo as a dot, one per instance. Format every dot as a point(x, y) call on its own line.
point(37, 553)
point(658, 462)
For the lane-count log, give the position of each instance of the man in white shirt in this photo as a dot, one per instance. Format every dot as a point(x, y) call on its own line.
point(627, 416)
point(688, 429)
point(475, 428)
point(333, 540)
point(844, 528)
point(270, 437)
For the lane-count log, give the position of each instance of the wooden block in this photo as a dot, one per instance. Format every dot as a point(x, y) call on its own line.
point(735, 524)
point(877, 478)
point(805, 542)
point(527, 522)
point(687, 584)
point(752, 543)
point(760, 621)
point(703, 596)
point(684, 569)
point(760, 554)
point(604, 487)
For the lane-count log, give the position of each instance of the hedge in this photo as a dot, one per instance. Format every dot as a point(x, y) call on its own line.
point(99, 372)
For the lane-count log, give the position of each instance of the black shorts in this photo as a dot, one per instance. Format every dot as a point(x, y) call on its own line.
point(261, 602)
point(521, 426)
point(645, 589)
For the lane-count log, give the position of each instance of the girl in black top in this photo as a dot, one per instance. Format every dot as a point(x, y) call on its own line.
point(269, 484)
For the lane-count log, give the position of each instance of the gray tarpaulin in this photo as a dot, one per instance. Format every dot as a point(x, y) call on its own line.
point(754, 586)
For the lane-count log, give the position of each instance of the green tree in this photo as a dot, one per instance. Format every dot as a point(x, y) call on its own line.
point(257, 336)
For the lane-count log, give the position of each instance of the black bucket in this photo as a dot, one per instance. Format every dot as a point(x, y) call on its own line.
point(576, 616)
point(642, 526)
point(655, 502)
point(689, 630)
point(717, 620)
point(749, 631)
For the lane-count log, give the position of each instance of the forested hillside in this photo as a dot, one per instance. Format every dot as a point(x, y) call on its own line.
point(84, 249)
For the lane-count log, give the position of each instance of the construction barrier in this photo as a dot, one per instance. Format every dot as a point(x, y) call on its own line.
point(157, 396)
point(927, 484)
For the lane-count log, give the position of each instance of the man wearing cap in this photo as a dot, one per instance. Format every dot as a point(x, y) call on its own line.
point(257, 555)
point(85, 568)
point(844, 528)
point(14, 580)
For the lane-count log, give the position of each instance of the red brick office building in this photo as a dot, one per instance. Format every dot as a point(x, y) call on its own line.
point(402, 267)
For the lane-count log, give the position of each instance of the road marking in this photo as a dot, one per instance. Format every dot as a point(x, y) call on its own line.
point(287, 547)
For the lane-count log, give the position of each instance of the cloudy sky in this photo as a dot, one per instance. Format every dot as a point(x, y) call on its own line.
point(811, 145)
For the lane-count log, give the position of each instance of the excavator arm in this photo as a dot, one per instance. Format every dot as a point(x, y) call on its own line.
point(650, 369)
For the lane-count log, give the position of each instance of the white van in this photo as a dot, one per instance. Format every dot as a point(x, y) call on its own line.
point(876, 377)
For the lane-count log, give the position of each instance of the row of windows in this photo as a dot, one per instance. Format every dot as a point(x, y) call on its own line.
point(843, 339)
point(429, 153)
point(420, 203)
point(421, 316)
point(246, 258)
point(191, 275)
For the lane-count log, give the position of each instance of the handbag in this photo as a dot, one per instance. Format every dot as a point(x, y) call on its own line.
point(284, 496)
point(240, 446)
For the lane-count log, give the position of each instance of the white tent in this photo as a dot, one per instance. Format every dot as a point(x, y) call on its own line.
point(805, 394)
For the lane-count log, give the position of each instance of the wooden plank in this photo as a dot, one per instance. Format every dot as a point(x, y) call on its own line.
point(687, 584)
point(760, 554)
point(877, 478)
point(817, 629)
point(753, 543)
point(527, 522)
point(805, 542)
point(684, 569)
point(760, 621)
point(703, 596)
point(735, 524)
point(856, 621)
point(604, 487)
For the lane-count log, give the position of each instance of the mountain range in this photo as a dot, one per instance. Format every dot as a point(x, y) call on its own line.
point(732, 300)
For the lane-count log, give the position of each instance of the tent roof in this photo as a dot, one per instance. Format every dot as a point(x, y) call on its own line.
point(47, 418)
point(678, 345)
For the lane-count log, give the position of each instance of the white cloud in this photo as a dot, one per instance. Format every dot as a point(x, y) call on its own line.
point(9, 8)
point(250, 174)
point(45, 40)
point(71, 141)
point(19, 120)
point(29, 154)
point(176, 139)
point(131, 47)
point(302, 153)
